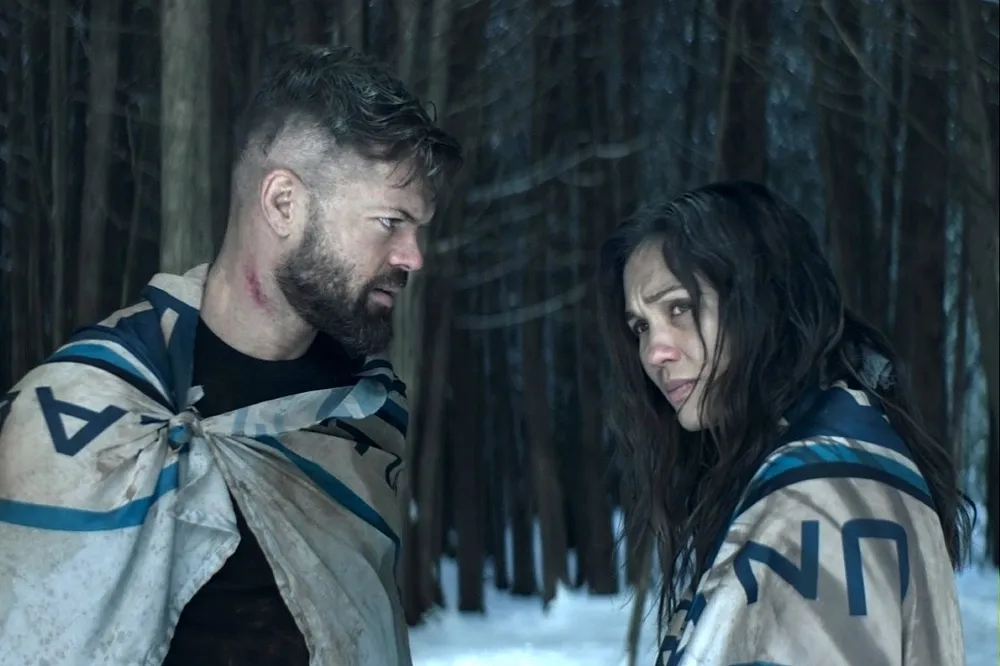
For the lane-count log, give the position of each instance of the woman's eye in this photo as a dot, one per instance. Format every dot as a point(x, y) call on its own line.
point(639, 328)
point(680, 309)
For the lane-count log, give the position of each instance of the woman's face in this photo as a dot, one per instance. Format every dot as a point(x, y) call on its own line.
point(659, 311)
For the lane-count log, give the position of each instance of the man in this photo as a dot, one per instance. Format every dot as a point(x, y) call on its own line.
point(229, 498)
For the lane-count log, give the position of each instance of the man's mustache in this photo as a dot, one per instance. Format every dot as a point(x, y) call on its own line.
point(394, 280)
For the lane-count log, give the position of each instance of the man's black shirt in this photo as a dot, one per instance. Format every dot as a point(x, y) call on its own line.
point(239, 618)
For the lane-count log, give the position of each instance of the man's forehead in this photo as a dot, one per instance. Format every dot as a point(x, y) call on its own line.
point(408, 187)
point(398, 183)
point(413, 199)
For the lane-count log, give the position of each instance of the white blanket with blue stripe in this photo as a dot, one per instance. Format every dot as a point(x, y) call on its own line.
point(835, 557)
point(114, 508)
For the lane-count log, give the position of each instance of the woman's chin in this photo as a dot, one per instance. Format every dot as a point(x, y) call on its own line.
point(689, 419)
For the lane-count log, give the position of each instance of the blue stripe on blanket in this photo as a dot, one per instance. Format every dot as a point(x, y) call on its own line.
point(180, 347)
point(64, 519)
point(142, 335)
point(837, 413)
point(100, 353)
point(135, 333)
point(334, 488)
point(833, 461)
point(395, 415)
point(105, 358)
point(812, 453)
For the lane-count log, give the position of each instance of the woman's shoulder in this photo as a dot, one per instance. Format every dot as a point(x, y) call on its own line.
point(842, 450)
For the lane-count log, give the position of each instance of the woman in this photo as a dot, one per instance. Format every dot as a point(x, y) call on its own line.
point(801, 513)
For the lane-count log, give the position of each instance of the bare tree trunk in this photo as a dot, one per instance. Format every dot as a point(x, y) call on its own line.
point(689, 168)
point(501, 440)
point(439, 65)
point(467, 476)
point(407, 31)
point(349, 29)
point(959, 385)
point(185, 230)
point(993, 494)
point(982, 197)
point(919, 329)
point(308, 27)
point(982, 202)
point(741, 148)
point(849, 199)
point(146, 135)
point(253, 14)
point(553, 21)
point(544, 466)
point(12, 236)
point(429, 466)
point(59, 105)
point(990, 46)
point(891, 167)
point(34, 312)
point(221, 119)
point(525, 580)
point(595, 540)
point(100, 107)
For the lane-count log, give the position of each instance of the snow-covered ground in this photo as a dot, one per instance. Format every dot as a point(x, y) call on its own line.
point(581, 630)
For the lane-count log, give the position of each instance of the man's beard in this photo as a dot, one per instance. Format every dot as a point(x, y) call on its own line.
point(318, 286)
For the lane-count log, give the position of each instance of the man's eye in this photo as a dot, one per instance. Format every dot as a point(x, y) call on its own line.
point(390, 223)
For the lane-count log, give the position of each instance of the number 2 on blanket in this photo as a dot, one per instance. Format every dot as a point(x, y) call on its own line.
point(94, 423)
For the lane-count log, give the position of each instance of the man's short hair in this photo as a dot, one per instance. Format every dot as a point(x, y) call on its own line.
point(355, 102)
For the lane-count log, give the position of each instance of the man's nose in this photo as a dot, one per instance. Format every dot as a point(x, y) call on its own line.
point(406, 252)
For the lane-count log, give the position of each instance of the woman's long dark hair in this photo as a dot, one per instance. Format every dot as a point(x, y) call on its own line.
point(782, 324)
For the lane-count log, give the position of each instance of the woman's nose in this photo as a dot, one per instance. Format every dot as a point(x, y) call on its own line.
point(661, 351)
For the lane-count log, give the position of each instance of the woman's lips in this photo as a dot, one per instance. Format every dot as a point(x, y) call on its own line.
point(678, 390)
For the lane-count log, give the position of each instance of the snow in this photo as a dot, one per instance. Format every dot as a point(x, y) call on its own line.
point(584, 630)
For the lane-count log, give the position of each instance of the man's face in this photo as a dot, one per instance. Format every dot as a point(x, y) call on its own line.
point(356, 252)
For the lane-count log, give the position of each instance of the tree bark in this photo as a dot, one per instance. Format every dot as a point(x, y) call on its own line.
point(308, 27)
point(100, 108)
point(59, 103)
point(12, 265)
point(741, 149)
point(350, 26)
point(222, 118)
point(501, 442)
point(919, 326)
point(185, 228)
point(850, 208)
point(429, 465)
point(595, 540)
point(467, 474)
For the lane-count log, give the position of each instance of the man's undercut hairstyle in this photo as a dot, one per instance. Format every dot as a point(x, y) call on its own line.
point(337, 98)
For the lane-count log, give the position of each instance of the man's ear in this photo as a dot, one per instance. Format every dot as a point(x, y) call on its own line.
point(278, 201)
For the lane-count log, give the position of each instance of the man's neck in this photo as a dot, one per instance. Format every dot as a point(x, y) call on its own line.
point(242, 308)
